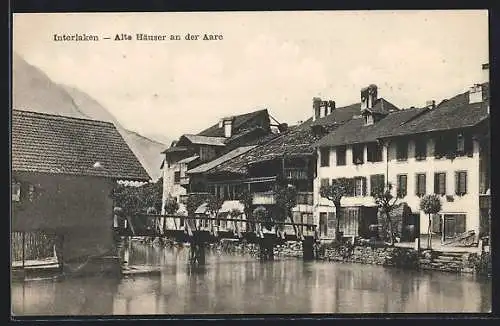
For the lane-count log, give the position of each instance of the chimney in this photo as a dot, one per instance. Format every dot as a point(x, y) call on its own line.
point(316, 108)
point(228, 127)
point(331, 104)
point(486, 72)
point(475, 94)
point(430, 104)
point(368, 97)
point(221, 123)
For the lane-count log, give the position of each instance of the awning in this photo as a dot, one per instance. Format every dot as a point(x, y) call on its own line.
point(202, 209)
point(229, 205)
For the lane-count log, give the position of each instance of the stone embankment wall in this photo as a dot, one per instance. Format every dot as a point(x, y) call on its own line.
point(458, 262)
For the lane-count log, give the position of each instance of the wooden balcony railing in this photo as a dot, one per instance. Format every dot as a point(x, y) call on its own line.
point(263, 198)
point(295, 174)
point(305, 198)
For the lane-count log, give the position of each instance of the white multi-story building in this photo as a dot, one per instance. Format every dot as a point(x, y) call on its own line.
point(441, 149)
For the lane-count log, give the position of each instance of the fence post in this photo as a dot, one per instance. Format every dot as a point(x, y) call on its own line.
point(24, 244)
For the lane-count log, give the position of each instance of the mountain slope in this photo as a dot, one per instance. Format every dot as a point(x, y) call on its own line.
point(33, 90)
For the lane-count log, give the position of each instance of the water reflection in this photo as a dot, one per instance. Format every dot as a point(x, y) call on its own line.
point(236, 284)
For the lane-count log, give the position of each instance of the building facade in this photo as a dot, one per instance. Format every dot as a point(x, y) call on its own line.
point(441, 149)
point(63, 173)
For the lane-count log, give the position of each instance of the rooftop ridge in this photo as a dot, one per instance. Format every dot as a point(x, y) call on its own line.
point(51, 116)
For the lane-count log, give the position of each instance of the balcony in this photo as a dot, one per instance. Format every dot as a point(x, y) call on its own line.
point(263, 198)
point(304, 198)
point(296, 174)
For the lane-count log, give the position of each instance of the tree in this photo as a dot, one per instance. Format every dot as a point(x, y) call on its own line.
point(235, 213)
point(214, 204)
point(386, 203)
point(285, 198)
point(246, 199)
point(171, 207)
point(430, 204)
point(334, 192)
point(260, 214)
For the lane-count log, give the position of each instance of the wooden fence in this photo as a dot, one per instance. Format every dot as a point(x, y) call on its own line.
point(37, 246)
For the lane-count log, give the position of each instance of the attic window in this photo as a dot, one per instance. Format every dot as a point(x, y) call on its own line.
point(368, 119)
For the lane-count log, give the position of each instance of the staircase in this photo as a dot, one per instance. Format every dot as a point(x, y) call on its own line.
point(445, 261)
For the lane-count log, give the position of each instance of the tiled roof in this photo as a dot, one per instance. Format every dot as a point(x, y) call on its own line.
point(239, 121)
point(49, 143)
point(297, 140)
point(355, 131)
point(205, 140)
point(451, 114)
point(228, 156)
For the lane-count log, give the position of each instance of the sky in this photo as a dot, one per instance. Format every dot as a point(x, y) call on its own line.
point(273, 60)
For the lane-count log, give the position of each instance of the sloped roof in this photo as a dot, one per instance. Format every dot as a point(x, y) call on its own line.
point(355, 131)
point(188, 159)
point(451, 114)
point(228, 156)
point(56, 144)
point(382, 106)
point(205, 140)
point(296, 140)
point(238, 121)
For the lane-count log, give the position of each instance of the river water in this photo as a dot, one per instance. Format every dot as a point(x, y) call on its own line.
point(239, 284)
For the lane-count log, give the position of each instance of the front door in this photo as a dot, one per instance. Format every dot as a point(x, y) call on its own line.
point(454, 224)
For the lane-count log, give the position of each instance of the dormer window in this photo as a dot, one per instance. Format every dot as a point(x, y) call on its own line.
point(368, 119)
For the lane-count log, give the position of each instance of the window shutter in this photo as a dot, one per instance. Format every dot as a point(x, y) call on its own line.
point(352, 184)
point(457, 183)
point(373, 183)
point(463, 182)
point(363, 180)
point(436, 183)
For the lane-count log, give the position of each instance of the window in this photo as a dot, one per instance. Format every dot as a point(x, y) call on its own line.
point(357, 154)
point(420, 184)
point(325, 157)
point(402, 185)
point(460, 183)
point(324, 182)
point(368, 119)
point(376, 182)
point(359, 186)
point(402, 150)
point(460, 143)
point(440, 183)
point(177, 176)
point(420, 149)
point(341, 154)
point(374, 151)
point(16, 191)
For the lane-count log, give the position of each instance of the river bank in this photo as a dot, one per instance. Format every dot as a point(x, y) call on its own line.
point(389, 256)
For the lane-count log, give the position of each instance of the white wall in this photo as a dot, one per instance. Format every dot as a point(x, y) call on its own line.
point(169, 187)
point(468, 204)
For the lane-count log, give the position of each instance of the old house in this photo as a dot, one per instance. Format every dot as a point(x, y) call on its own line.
point(63, 172)
point(222, 141)
point(287, 159)
point(441, 149)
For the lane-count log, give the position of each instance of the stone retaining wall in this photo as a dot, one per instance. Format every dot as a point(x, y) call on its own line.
point(390, 256)
point(458, 262)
